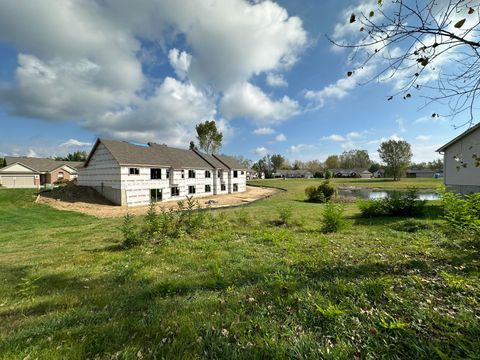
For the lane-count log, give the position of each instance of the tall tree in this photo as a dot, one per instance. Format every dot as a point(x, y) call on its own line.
point(314, 166)
point(427, 45)
point(75, 156)
point(354, 159)
point(396, 155)
point(264, 166)
point(244, 161)
point(208, 136)
point(298, 165)
point(332, 162)
point(192, 146)
point(277, 161)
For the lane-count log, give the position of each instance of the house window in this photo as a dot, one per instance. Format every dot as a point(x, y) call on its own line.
point(235, 174)
point(183, 174)
point(155, 195)
point(168, 173)
point(134, 171)
point(60, 175)
point(219, 174)
point(235, 187)
point(223, 187)
point(242, 173)
point(191, 189)
point(208, 174)
point(191, 174)
point(155, 174)
point(175, 191)
point(208, 188)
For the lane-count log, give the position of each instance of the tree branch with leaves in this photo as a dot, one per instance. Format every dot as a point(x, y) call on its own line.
point(432, 45)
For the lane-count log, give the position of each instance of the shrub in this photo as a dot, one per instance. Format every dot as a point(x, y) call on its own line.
point(333, 218)
point(395, 204)
point(371, 208)
point(61, 182)
point(461, 213)
point(328, 174)
point(151, 227)
point(130, 236)
point(411, 225)
point(321, 193)
point(285, 215)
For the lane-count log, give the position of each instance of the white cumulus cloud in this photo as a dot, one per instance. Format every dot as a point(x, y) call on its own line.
point(247, 100)
point(264, 131)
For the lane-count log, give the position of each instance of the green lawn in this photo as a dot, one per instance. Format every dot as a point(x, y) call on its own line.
point(241, 288)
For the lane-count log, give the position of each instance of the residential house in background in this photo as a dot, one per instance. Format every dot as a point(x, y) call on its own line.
point(293, 174)
point(461, 159)
point(29, 172)
point(352, 173)
point(132, 174)
point(424, 173)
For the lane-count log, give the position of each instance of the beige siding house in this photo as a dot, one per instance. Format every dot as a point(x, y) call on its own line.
point(131, 174)
point(461, 158)
point(29, 172)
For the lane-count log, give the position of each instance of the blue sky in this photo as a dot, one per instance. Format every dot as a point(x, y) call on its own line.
point(149, 71)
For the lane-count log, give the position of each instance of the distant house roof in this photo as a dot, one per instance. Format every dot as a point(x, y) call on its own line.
point(459, 137)
point(423, 171)
point(293, 172)
point(349, 171)
point(41, 164)
point(126, 153)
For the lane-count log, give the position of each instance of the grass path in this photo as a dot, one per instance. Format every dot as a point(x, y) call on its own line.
point(240, 288)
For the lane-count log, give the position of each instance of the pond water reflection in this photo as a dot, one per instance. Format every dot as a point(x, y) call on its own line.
point(381, 194)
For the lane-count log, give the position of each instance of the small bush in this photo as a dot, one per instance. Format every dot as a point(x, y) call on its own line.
point(151, 227)
point(130, 236)
point(411, 225)
point(328, 174)
point(333, 218)
point(61, 182)
point(371, 208)
point(395, 204)
point(461, 213)
point(321, 193)
point(285, 214)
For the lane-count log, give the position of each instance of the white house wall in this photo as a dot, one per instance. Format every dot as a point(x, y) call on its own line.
point(115, 182)
point(463, 178)
point(103, 174)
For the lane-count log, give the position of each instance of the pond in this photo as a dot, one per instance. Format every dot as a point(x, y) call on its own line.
point(381, 194)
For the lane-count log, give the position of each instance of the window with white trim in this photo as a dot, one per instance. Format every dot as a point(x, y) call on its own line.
point(134, 171)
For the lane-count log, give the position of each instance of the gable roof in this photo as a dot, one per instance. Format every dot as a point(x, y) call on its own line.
point(212, 160)
point(459, 137)
point(161, 155)
point(41, 164)
point(230, 162)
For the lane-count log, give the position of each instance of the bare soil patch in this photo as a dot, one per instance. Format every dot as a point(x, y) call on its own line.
point(86, 200)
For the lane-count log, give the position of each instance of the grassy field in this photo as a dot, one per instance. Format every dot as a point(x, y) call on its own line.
point(241, 288)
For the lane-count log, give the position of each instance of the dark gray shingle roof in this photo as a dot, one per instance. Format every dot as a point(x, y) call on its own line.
point(126, 153)
point(40, 164)
point(231, 162)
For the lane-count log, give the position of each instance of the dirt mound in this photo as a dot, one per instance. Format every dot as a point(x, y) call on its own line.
point(88, 201)
point(72, 193)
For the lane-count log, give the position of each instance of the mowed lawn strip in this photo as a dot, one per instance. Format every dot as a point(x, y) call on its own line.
point(243, 287)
